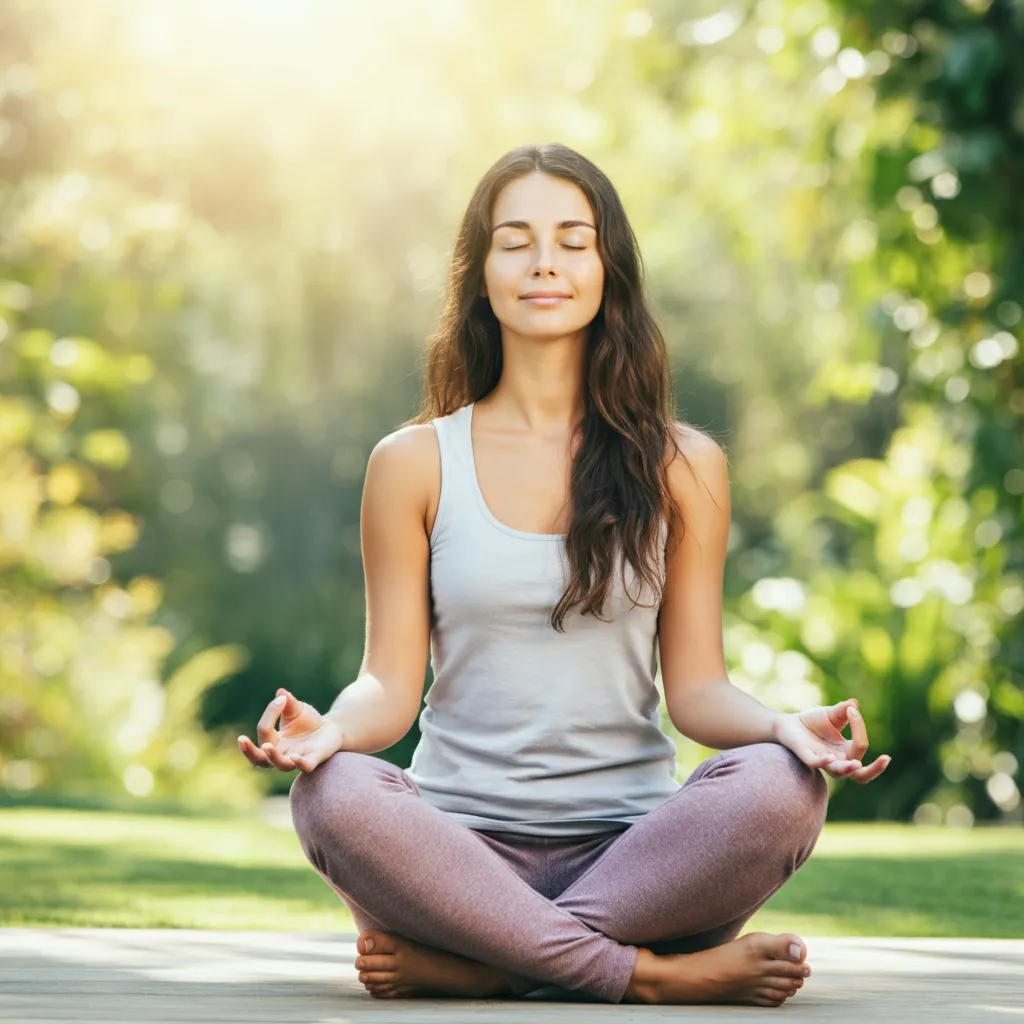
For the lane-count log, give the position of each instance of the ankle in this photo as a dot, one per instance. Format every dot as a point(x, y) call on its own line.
point(643, 982)
point(495, 982)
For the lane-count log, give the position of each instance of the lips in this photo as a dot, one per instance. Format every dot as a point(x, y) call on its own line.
point(545, 295)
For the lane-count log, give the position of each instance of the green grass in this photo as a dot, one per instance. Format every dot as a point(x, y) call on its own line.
point(881, 879)
point(67, 868)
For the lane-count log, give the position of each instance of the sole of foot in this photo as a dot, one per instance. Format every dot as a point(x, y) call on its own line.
point(757, 969)
point(393, 967)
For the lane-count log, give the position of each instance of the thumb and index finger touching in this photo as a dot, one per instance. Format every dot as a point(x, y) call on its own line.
point(284, 706)
point(848, 712)
point(839, 714)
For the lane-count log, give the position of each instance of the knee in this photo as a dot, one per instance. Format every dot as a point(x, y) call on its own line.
point(329, 790)
point(792, 795)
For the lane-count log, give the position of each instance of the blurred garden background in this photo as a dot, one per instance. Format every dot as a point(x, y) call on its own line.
point(224, 233)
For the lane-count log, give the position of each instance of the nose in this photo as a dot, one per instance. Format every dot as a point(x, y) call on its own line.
point(545, 259)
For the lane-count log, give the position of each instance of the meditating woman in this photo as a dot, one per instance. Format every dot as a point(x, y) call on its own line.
point(546, 529)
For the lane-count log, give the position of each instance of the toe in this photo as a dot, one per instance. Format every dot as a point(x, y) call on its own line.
point(790, 947)
point(377, 978)
point(783, 986)
point(786, 947)
point(372, 941)
point(768, 997)
point(375, 962)
point(786, 969)
point(780, 947)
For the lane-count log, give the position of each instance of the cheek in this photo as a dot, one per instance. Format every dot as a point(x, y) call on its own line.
point(591, 281)
point(501, 279)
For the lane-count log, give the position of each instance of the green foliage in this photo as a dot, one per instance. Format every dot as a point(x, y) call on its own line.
point(944, 170)
point(83, 710)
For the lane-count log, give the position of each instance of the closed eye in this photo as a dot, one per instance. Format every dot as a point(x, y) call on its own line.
point(510, 248)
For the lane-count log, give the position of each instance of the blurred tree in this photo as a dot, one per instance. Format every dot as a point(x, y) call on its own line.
point(938, 517)
point(83, 711)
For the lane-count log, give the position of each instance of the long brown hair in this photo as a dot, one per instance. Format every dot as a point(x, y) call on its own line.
point(619, 493)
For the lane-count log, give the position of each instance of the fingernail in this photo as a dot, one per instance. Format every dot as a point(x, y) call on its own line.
point(369, 945)
point(852, 711)
point(278, 700)
point(794, 951)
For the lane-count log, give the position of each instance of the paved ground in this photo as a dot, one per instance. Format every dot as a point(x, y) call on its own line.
point(91, 974)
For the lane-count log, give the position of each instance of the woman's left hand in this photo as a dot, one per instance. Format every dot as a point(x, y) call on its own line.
point(814, 736)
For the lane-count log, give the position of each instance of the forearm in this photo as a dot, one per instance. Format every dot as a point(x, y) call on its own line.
point(369, 717)
point(718, 714)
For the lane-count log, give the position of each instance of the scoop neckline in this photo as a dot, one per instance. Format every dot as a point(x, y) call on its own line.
point(491, 518)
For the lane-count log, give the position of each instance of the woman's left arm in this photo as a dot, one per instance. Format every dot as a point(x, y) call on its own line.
point(701, 701)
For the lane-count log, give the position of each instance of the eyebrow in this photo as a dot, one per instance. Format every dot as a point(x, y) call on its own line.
point(526, 227)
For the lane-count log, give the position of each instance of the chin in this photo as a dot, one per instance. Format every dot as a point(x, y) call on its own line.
point(550, 331)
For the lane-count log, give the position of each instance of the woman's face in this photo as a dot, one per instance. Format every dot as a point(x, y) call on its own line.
point(543, 240)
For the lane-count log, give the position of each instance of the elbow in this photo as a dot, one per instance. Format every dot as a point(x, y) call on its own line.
point(676, 717)
point(410, 722)
point(687, 704)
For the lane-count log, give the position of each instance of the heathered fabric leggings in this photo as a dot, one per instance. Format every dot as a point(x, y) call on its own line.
point(568, 912)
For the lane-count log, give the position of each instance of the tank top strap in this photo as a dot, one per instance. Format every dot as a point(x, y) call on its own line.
point(455, 448)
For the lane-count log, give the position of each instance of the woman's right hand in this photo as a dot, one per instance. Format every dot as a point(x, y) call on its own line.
point(305, 739)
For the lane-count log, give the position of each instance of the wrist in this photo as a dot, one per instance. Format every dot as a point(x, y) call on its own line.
point(334, 720)
point(774, 725)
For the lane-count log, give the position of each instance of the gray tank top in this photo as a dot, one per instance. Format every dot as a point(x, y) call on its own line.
point(526, 729)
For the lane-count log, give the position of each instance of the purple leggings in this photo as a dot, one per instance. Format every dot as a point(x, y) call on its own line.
point(569, 911)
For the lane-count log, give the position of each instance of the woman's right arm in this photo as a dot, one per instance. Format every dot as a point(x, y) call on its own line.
point(380, 706)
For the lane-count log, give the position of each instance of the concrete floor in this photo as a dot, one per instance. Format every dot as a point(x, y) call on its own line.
point(158, 976)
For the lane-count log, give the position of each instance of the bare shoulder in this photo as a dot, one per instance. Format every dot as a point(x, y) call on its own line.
point(407, 447)
point(699, 467)
point(405, 466)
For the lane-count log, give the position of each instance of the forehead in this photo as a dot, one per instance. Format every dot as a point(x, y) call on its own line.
point(541, 199)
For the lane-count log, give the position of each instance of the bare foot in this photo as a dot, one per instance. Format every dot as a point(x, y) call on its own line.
point(396, 966)
point(756, 969)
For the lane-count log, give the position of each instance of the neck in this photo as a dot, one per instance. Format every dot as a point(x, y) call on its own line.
point(541, 385)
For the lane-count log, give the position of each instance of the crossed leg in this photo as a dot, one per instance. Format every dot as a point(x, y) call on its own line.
point(687, 876)
point(694, 870)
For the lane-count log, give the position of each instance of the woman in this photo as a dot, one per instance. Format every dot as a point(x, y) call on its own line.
point(546, 529)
